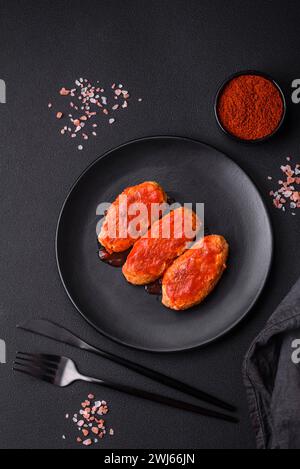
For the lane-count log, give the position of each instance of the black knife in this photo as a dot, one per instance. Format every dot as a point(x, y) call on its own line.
point(60, 334)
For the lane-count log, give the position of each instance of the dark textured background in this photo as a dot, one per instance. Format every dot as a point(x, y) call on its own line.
point(173, 53)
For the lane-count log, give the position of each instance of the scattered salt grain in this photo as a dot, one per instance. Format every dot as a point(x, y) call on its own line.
point(87, 442)
point(91, 429)
point(64, 92)
point(287, 195)
point(88, 101)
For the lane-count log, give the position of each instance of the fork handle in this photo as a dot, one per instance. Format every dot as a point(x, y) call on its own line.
point(182, 405)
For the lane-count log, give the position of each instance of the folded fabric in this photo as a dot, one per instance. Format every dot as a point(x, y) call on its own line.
point(272, 379)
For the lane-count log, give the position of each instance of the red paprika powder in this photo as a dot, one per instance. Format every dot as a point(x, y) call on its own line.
point(250, 107)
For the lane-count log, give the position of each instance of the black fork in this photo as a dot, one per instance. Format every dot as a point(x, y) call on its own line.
point(62, 372)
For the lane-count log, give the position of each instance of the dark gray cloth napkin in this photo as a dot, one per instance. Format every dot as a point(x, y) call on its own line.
point(272, 379)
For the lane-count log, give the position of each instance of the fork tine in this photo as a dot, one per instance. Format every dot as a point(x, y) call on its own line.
point(35, 368)
point(46, 357)
point(36, 361)
point(34, 373)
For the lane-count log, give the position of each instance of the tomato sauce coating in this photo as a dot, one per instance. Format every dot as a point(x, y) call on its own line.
point(194, 275)
point(166, 240)
point(116, 234)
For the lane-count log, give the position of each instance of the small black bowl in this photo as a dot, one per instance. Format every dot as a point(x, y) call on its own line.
point(220, 91)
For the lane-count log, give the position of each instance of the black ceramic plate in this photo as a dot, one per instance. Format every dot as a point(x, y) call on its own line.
point(190, 172)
